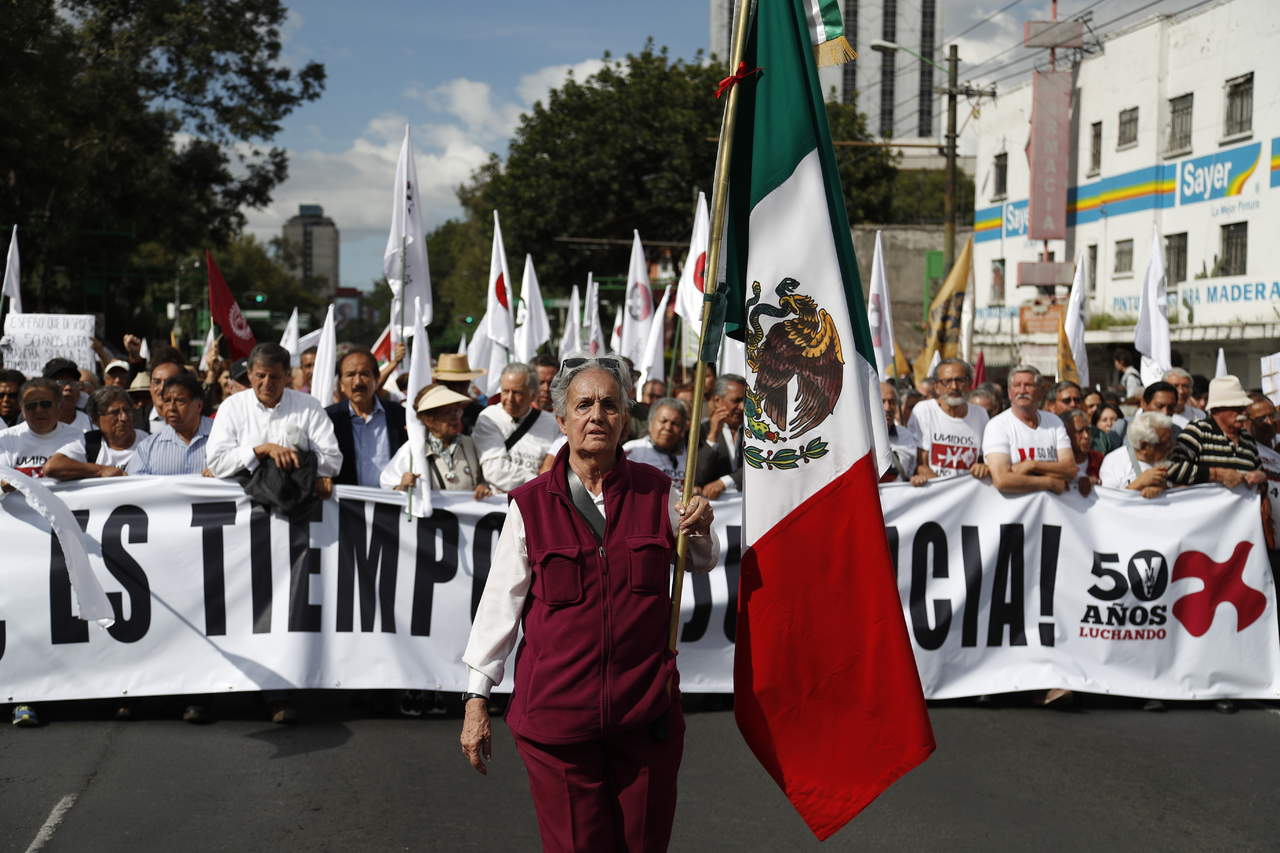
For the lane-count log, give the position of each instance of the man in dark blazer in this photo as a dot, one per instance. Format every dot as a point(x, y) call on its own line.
point(720, 454)
point(369, 430)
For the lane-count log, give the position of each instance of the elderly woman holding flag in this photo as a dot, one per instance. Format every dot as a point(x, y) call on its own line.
point(582, 565)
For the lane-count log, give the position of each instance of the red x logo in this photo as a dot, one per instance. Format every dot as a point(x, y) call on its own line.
point(1223, 582)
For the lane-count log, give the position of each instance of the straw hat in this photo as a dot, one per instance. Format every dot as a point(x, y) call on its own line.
point(141, 382)
point(437, 396)
point(1226, 392)
point(454, 367)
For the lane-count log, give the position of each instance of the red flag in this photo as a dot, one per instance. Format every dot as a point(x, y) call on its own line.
point(382, 346)
point(979, 370)
point(226, 313)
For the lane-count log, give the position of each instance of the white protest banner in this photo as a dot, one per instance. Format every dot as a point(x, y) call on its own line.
point(1170, 598)
point(212, 595)
point(30, 340)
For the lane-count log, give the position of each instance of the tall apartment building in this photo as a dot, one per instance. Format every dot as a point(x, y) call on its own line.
point(313, 238)
point(893, 88)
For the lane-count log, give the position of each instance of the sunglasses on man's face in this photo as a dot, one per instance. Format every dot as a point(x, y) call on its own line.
point(38, 404)
point(9, 394)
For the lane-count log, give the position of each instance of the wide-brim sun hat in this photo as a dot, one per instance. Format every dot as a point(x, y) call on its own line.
point(1226, 392)
point(141, 382)
point(438, 396)
point(454, 367)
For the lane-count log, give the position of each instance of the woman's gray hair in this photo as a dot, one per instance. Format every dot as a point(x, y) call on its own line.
point(582, 361)
point(670, 403)
point(1144, 428)
point(102, 399)
point(520, 368)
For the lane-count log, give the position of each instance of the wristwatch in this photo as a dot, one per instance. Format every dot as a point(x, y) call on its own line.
point(467, 697)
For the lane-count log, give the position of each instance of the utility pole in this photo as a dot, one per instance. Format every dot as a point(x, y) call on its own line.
point(953, 90)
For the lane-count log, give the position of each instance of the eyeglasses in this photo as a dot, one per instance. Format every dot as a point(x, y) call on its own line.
point(1069, 401)
point(9, 394)
point(38, 404)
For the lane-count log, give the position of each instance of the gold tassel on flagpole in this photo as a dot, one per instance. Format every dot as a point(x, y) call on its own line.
point(838, 51)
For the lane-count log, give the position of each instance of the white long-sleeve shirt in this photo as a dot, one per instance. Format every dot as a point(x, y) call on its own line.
point(508, 469)
point(493, 633)
point(298, 421)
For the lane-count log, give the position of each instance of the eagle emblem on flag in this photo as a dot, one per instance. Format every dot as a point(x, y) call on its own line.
point(802, 343)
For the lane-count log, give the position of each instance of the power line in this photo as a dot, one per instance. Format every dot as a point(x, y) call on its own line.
point(948, 40)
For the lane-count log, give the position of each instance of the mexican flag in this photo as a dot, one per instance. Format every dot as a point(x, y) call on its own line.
point(826, 690)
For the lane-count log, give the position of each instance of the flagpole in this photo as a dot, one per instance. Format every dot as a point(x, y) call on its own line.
point(720, 195)
point(404, 263)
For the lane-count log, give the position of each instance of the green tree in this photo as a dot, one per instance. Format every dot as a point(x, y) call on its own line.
point(135, 121)
point(627, 148)
point(918, 197)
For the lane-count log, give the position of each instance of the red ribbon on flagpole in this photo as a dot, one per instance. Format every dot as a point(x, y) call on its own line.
point(736, 77)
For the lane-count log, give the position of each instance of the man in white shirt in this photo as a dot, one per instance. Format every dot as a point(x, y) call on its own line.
point(1136, 466)
point(513, 437)
point(66, 375)
point(272, 421)
point(1183, 412)
point(664, 447)
point(106, 451)
point(948, 428)
point(28, 445)
point(1028, 450)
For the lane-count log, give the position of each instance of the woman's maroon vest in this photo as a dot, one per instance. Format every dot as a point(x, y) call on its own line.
point(594, 659)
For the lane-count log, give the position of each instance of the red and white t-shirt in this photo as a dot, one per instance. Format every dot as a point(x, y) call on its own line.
point(27, 451)
point(953, 445)
point(1010, 436)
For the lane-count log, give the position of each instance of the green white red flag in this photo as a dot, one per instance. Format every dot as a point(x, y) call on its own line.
point(827, 692)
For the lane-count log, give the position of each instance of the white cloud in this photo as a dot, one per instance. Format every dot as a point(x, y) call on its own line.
point(464, 121)
point(534, 87)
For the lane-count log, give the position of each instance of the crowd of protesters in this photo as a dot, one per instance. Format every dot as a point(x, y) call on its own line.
point(254, 420)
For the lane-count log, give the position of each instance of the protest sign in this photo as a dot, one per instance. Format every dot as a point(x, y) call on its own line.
point(1169, 598)
point(30, 340)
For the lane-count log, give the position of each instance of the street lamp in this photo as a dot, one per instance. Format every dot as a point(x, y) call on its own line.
point(951, 90)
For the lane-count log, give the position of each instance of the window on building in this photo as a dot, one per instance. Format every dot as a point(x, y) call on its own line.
point(1175, 258)
point(997, 281)
point(1095, 148)
point(1127, 133)
point(1093, 269)
point(1239, 105)
point(1235, 248)
point(1000, 181)
point(1124, 256)
point(1180, 123)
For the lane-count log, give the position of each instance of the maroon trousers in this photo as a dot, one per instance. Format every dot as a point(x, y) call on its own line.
point(615, 794)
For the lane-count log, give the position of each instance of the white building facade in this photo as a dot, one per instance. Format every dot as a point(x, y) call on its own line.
point(1176, 129)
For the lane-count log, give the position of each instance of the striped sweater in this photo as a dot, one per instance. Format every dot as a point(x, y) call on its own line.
point(1202, 445)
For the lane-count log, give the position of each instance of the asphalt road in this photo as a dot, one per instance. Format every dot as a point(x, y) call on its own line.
point(346, 779)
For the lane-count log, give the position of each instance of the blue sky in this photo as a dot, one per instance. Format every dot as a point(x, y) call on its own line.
point(460, 73)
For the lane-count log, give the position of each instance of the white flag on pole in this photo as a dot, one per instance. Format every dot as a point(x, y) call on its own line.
point(591, 319)
point(326, 366)
point(419, 500)
point(12, 273)
point(462, 344)
point(210, 344)
point(1151, 337)
point(1077, 316)
point(967, 315)
point(651, 364)
point(637, 304)
point(498, 323)
point(692, 280)
point(1222, 364)
point(289, 340)
point(484, 353)
point(571, 337)
point(404, 261)
point(615, 337)
point(880, 314)
point(536, 328)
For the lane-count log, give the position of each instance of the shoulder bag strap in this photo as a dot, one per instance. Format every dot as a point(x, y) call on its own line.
point(524, 427)
point(585, 506)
